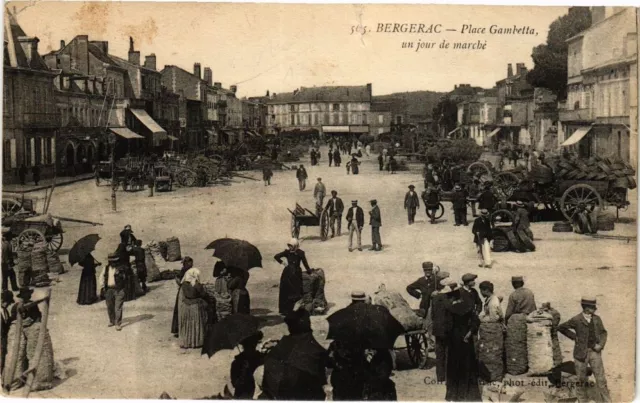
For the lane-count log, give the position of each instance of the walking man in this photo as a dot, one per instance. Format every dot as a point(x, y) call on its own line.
point(35, 171)
point(587, 331)
point(22, 174)
point(337, 159)
point(482, 235)
point(330, 156)
point(301, 174)
point(355, 220)
point(8, 272)
point(381, 161)
point(459, 203)
point(112, 283)
point(335, 207)
point(376, 222)
point(411, 204)
point(267, 173)
point(319, 191)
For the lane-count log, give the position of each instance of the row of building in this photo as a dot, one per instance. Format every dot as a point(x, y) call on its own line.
point(599, 116)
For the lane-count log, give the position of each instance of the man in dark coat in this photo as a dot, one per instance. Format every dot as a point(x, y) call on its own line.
point(7, 300)
point(302, 176)
point(35, 171)
point(375, 220)
point(423, 287)
point(381, 161)
point(459, 204)
point(8, 272)
point(521, 301)
point(482, 236)
point(337, 159)
point(411, 204)
point(127, 237)
point(355, 223)
point(587, 331)
point(440, 324)
point(330, 156)
point(471, 294)
point(141, 267)
point(22, 174)
point(487, 200)
point(335, 207)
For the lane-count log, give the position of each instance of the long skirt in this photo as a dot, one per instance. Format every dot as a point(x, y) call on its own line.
point(175, 323)
point(241, 303)
point(130, 286)
point(28, 340)
point(88, 285)
point(193, 323)
point(462, 372)
point(490, 351)
point(290, 289)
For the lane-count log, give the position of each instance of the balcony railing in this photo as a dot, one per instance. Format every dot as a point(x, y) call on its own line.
point(575, 115)
point(41, 120)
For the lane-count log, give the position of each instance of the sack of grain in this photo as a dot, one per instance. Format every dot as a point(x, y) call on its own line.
point(539, 343)
point(23, 267)
point(398, 307)
point(54, 263)
point(490, 348)
point(173, 250)
point(154, 248)
point(320, 303)
point(224, 306)
point(168, 275)
point(39, 259)
point(153, 272)
point(163, 249)
point(309, 284)
point(516, 344)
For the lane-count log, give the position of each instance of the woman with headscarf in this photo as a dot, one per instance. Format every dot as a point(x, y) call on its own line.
point(187, 263)
point(192, 311)
point(291, 278)
point(88, 283)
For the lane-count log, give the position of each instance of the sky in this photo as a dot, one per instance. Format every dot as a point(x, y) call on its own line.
point(281, 47)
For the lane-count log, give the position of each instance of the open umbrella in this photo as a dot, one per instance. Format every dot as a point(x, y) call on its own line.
point(236, 253)
point(293, 367)
point(82, 248)
point(371, 326)
point(229, 332)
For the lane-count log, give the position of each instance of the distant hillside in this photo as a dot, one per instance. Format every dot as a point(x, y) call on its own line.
point(412, 104)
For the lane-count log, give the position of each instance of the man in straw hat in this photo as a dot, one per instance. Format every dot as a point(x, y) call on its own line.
point(355, 223)
point(112, 284)
point(482, 236)
point(411, 204)
point(587, 331)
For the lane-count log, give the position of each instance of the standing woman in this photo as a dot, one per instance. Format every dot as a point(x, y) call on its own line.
point(241, 303)
point(291, 278)
point(354, 165)
point(192, 311)
point(88, 284)
point(187, 263)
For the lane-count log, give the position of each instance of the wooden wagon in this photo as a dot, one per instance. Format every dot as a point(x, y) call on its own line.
point(417, 346)
point(302, 217)
point(162, 178)
point(28, 231)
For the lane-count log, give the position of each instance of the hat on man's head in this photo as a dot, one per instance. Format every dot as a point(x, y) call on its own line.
point(427, 265)
point(411, 187)
point(373, 201)
point(358, 295)
point(128, 226)
point(113, 257)
point(519, 203)
point(333, 192)
point(517, 278)
point(588, 300)
point(447, 282)
point(484, 211)
point(293, 242)
point(7, 296)
point(469, 277)
point(354, 202)
point(457, 187)
point(319, 179)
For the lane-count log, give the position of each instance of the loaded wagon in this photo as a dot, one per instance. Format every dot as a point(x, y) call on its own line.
point(27, 231)
point(163, 181)
point(302, 217)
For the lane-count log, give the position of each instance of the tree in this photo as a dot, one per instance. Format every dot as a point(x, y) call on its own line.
point(550, 59)
point(445, 114)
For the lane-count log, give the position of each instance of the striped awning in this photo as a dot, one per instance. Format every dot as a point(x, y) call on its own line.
point(494, 132)
point(125, 133)
point(159, 133)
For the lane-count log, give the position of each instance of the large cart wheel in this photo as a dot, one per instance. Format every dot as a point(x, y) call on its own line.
point(501, 216)
point(416, 347)
point(54, 242)
point(295, 228)
point(479, 168)
point(186, 178)
point(324, 225)
point(9, 207)
point(580, 197)
point(29, 237)
point(439, 212)
point(505, 184)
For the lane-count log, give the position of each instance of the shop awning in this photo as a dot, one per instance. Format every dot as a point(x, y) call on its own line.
point(577, 136)
point(454, 130)
point(494, 132)
point(335, 129)
point(125, 133)
point(172, 138)
point(359, 129)
point(158, 132)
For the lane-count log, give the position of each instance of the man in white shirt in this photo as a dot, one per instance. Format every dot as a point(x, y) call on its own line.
point(318, 193)
point(112, 282)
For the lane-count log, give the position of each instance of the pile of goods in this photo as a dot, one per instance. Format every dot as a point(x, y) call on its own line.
point(399, 308)
point(539, 344)
point(516, 345)
point(39, 265)
point(620, 173)
point(455, 150)
point(219, 293)
point(23, 267)
point(490, 347)
point(154, 256)
point(564, 226)
point(173, 250)
point(313, 297)
point(506, 239)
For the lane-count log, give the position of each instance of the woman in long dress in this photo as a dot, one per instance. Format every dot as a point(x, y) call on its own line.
point(187, 263)
point(462, 365)
point(241, 303)
point(291, 278)
point(192, 311)
point(87, 292)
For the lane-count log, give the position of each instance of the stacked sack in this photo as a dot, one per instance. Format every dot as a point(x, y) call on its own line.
point(313, 298)
point(516, 345)
point(490, 348)
point(23, 267)
point(539, 343)
point(39, 265)
point(399, 308)
point(616, 171)
point(54, 263)
point(173, 250)
point(153, 272)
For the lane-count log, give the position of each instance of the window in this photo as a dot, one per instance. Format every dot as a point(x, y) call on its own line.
point(5, 99)
point(364, 118)
point(293, 121)
point(47, 151)
point(292, 108)
point(399, 120)
point(381, 118)
point(576, 105)
point(335, 107)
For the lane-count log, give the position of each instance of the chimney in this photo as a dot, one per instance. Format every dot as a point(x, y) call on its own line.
point(521, 68)
point(233, 88)
point(150, 61)
point(29, 47)
point(134, 57)
point(217, 85)
point(196, 70)
point(509, 70)
point(62, 45)
point(370, 90)
point(208, 76)
point(267, 94)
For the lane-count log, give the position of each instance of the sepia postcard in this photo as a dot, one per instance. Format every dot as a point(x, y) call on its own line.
point(319, 201)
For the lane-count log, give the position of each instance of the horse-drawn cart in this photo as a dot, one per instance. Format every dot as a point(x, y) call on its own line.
point(302, 217)
point(28, 231)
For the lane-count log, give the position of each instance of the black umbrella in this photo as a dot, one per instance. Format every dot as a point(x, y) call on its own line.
point(236, 253)
point(229, 332)
point(293, 367)
point(82, 248)
point(371, 326)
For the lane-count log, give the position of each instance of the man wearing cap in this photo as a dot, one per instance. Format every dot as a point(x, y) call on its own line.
point(469, 293)
point(482, 236)
point(411, 204)
point(8, 272)
point(587, 331)
point(375, 220)
point(358, 297)
point(439, 324)
point(355, 223)
point(319, 191)
point(521, 300)
point(423, 287)
point(301, 175)
point(335, 207)
point(521, 220)
point(127, 237)
point(112, 283)
point(459, 205)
